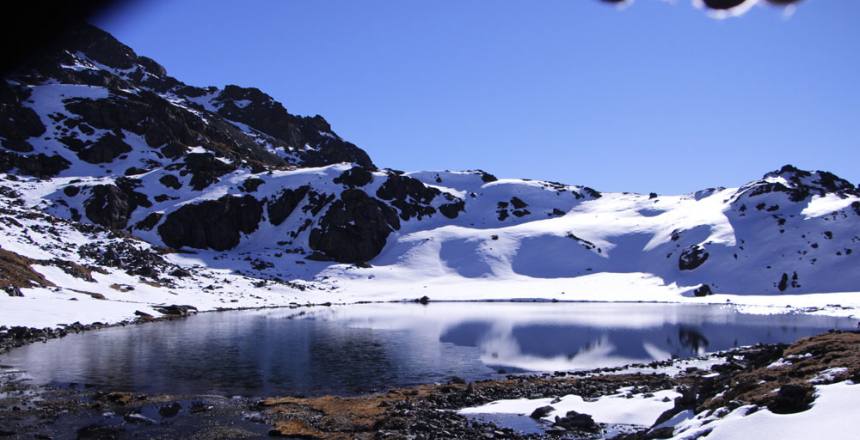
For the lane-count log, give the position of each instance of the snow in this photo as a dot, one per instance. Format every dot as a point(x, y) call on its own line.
point(829, 417)
point(612, 409)
point(824, 205)
point(828, 375)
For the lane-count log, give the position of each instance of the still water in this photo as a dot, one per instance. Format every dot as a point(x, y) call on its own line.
point(370, 347)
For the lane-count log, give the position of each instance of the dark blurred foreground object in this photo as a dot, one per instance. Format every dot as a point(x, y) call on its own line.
point(28, 27)
point(728, 4)
point(723, 4)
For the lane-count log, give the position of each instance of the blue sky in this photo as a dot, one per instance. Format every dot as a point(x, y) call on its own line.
point(655, 97)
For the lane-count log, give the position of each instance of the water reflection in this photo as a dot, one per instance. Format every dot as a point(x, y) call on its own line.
point(363, 348)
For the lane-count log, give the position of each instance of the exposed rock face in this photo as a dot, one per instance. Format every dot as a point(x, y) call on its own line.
point(170, 181)
point(112, 205)
point(798, 184)
point(205, 169)
point(355, 177)
point(149, 221)
point(38, 165)
point(257, 109)
point(354, 229)
point(104, 150)
point(17, 123)
point(411, 197)
point(452, 210)
point(703, 290)
point(215, 224)
point(692, 257)
point(283, 205)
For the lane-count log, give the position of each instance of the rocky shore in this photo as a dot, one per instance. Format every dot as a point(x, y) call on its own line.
point(779, 378)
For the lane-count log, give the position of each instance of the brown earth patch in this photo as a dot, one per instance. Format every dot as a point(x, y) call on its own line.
point(16, 272)
point(792, 379)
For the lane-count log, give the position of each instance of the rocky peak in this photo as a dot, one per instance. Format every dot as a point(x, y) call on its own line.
point(799, 184)
point(244, 124)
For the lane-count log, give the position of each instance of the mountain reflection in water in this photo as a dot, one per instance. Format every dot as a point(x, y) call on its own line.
point(370, 347)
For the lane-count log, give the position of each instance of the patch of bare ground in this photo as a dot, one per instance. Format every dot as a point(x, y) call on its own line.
point(16, 272)
point(785, 383)
point(427, 411)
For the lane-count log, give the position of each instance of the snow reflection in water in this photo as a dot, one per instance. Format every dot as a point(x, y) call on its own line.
point(369, 347)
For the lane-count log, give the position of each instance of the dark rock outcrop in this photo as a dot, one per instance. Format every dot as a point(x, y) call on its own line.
point(354, 229)
point(37, 165)
point(216, 224)
point(703, 290)
point(108, 206)
point(205, 169)
point(354, 177)
point(104, 150)
point(285, 203)
point(692, 257)
point(253, 107)
point(453, 209)
point(410, 196)
point(112, 205)
point(17, 122)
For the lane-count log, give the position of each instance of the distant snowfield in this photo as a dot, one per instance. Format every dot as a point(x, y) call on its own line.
point(50, 307)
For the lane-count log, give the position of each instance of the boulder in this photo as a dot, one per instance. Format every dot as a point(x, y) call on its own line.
point(792, 398)
point(542, 412)
point(574, 421)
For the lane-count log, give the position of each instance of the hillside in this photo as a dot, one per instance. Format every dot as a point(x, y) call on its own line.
point(126, 189)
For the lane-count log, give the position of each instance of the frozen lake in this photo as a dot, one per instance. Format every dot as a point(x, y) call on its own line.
point(371, 347)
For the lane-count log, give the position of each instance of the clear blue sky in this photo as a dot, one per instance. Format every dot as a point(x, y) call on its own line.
point(656, 97)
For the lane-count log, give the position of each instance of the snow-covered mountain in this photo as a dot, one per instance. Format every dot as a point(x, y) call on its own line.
point(120, 177)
